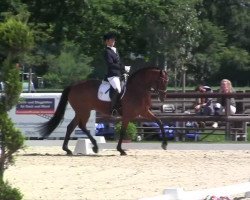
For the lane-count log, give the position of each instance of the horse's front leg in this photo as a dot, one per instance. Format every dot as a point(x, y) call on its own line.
point(164, 138)
point(93, 141)
point(149, 115)
point(122, 134)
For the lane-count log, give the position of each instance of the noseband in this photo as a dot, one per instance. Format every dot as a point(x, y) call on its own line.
point(159, 81)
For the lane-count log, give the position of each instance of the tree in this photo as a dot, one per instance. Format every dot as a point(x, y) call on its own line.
point(15, 38)
point(233, 16)
point(228, 57)
point(206, 60)
point(157, 31)
point(68, 67)
point(165, 33)
point(180, 34)
point(235, 61)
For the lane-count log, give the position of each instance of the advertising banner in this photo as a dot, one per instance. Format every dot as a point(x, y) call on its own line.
point(36, 106)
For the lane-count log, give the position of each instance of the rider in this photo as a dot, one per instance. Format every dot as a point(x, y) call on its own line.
point(115, 68)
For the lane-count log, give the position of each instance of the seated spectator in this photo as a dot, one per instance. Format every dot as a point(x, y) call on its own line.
point(219, 108)
point(204, 106)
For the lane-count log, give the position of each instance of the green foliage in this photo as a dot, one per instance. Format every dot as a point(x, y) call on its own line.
point(206, 59)
point(69, 66)
point(15, 35)
point(235, 61)
point(15, 38)
point(13, 87)
point(214, 138)
point(131, 131)
point(52, 80)
point(12, 136)
point(9, 193)
point(233, 16)
point(235, 58)
point(195, 35)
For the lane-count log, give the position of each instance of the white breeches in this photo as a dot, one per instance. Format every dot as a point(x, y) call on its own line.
point(222, 109)
point(116, 83)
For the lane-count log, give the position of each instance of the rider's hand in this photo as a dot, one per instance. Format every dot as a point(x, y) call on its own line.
point(197, 107)
point(127, 68)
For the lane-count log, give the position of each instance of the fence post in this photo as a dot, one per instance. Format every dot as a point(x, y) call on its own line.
point(227, 113)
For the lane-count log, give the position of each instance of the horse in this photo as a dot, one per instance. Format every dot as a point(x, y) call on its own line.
point(136, 101)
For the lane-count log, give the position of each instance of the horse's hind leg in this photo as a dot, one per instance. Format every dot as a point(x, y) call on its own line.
point(72, 125)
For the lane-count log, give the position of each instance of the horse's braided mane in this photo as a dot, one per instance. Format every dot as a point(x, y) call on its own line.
point(141, 70)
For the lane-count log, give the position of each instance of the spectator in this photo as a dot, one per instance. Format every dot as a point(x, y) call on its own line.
point(225, 87)
point(203, 106)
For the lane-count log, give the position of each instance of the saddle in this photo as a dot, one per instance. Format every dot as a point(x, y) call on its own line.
point(105, 91)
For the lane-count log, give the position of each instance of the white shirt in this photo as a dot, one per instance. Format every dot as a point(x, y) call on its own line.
point(113, 48)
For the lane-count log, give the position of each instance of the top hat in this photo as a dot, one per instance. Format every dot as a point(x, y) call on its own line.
point(109, 35)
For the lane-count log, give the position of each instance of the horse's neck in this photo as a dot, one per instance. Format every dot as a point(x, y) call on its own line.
point(144, 81)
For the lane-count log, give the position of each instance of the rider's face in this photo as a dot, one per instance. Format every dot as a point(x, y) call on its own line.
point(110, 42)
point(225, 87)
point(202, 89)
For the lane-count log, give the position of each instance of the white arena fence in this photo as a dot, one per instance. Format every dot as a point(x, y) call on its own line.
point(180, 194)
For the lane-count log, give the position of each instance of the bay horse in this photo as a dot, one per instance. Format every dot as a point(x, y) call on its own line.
point(82, 96)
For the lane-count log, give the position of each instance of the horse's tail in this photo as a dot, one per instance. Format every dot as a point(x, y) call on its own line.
point(48, 127)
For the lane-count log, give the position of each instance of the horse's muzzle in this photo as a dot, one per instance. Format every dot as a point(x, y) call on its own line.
point(162, 95)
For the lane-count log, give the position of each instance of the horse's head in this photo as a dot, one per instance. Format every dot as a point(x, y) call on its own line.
point(151, 77)
point(162, 84)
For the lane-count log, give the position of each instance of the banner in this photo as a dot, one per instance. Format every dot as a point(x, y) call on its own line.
point(36, 106)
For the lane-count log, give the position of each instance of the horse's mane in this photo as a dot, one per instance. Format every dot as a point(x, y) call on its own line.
point(131, 77)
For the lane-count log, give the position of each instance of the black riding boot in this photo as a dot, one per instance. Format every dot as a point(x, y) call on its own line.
point(114, 99)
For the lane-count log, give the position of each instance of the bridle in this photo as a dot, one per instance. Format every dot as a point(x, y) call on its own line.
point(161, 80)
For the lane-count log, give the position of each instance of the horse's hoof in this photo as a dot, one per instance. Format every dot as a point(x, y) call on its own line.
point(123, 153)
point(69, 153)
point(95, 149)
point(164, 146)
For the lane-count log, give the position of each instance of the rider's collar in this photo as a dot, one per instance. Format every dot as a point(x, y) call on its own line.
point(113, 48)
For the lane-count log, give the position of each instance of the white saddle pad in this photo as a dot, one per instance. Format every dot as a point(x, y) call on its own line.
point(103, 91)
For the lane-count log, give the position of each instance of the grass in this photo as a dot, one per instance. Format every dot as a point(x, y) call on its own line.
point(216, 137)
point(220, 137)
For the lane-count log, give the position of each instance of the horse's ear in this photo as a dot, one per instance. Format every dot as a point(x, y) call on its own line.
point(164, 74)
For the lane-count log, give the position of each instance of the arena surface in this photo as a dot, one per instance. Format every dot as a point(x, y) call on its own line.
point(43, 172)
